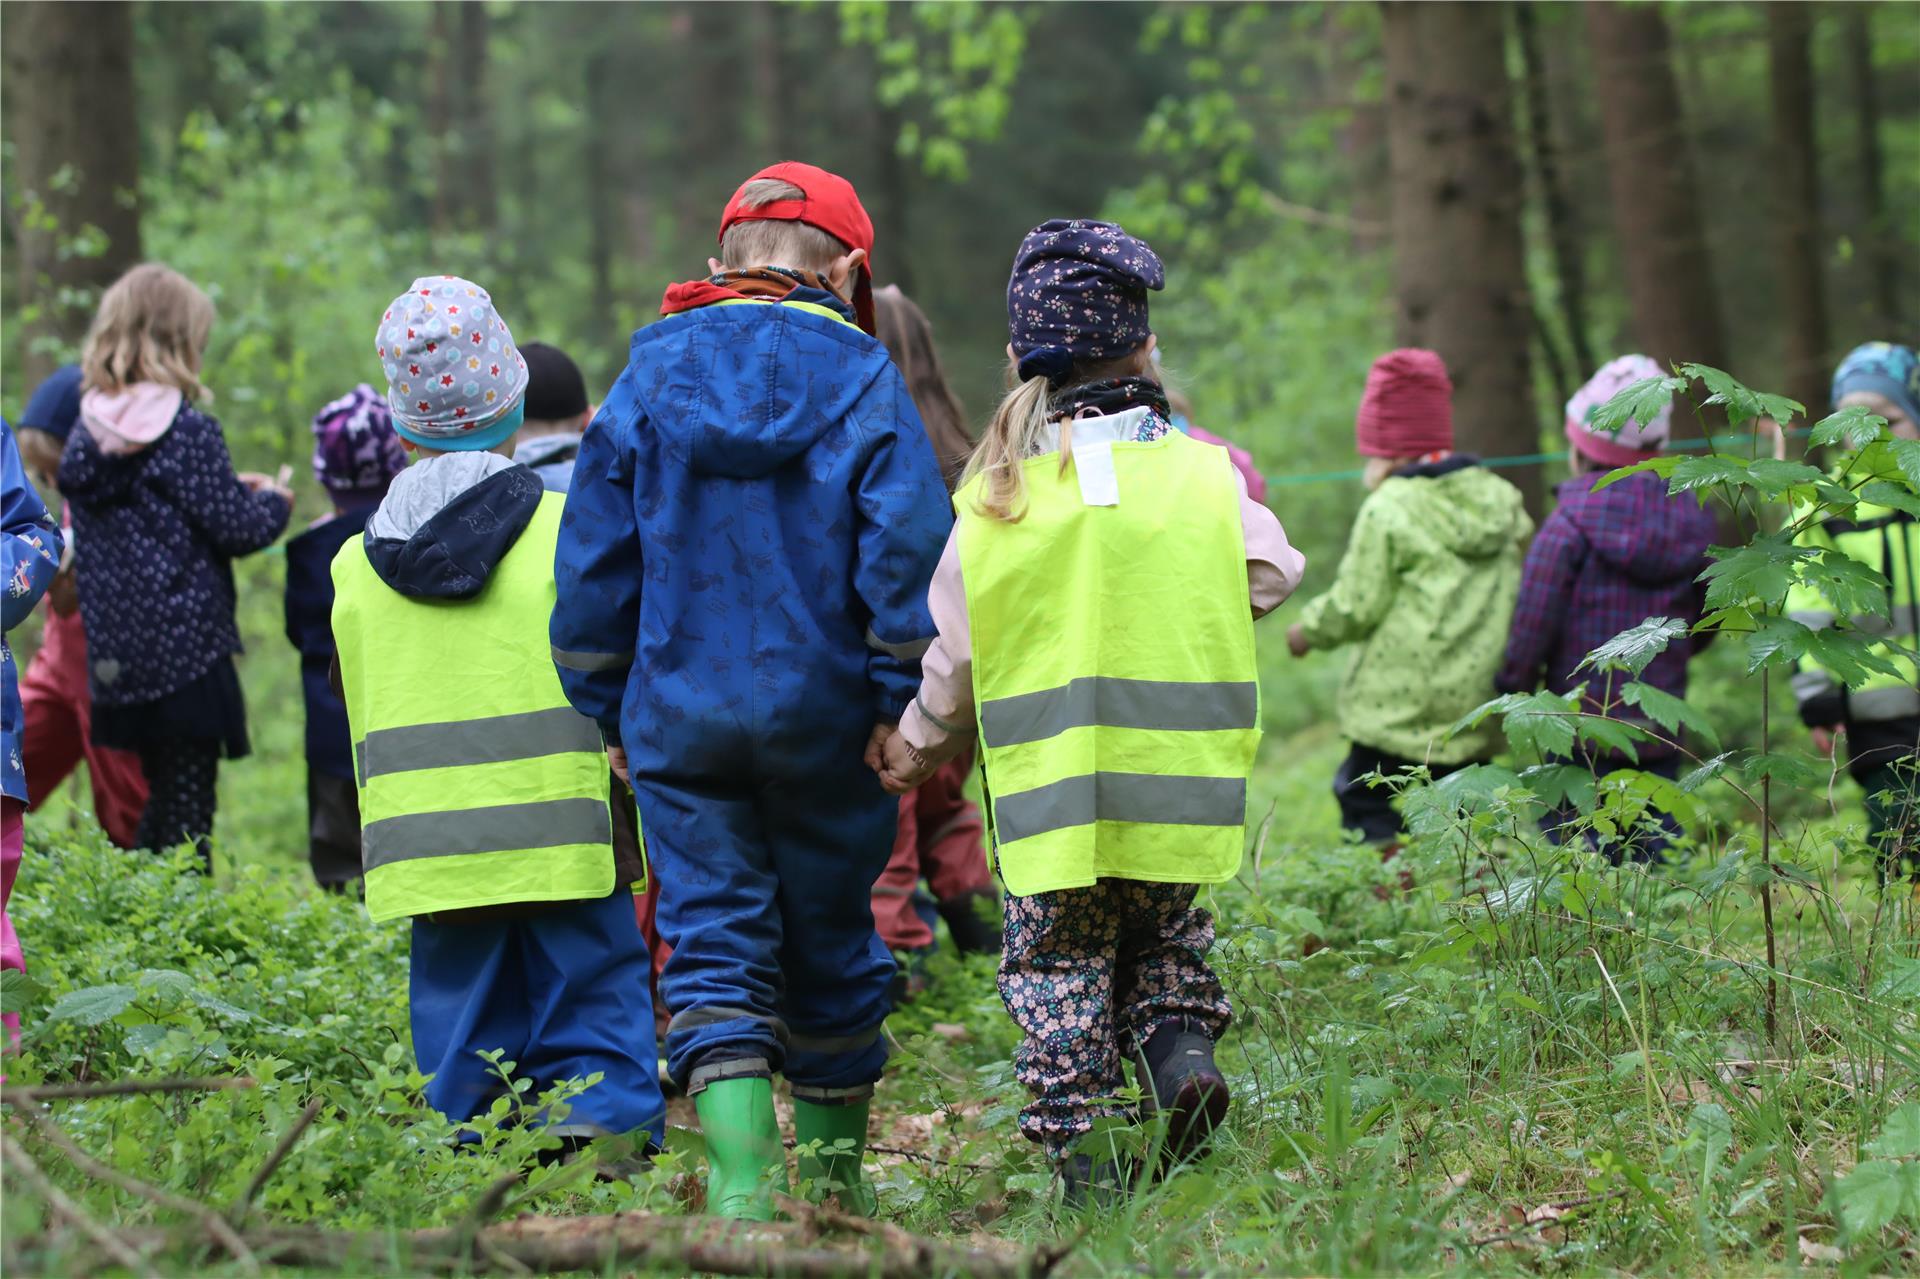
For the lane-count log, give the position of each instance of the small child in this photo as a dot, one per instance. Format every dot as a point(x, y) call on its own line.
point(1095, 607)
point(1880, 715)
point(557, 415)
point(1425, 592)
point(56, 730)
point(1605, 561)
point(32, 544)
point(483, 795)
point(158, 516)
point(743, 572)
point(356, 454)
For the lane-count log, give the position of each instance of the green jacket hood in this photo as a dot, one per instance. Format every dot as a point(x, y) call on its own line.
point(1468, 510)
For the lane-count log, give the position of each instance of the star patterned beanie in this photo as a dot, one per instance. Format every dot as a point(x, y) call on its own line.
point(455, 380)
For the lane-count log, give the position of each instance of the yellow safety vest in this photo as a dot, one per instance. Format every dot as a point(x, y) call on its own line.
point(479, 784)
point(1113, 670)
point(1888, 542)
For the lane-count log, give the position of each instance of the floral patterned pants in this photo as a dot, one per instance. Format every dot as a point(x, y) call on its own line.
point(1087, 974)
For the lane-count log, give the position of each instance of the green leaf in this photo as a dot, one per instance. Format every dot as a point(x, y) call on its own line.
point(1850, 428)
point(1641, 401)
point(1774, 477)
point(1613, 735)
point(1763, 569)
point(1705, 472)
point(1900, 983)
point(1668, 711)
point(1694, 779)
point(1743, 404)
point(1776, 641)
point(18, 991)
point(1787, 770)
point(1634, 648)
point(1850, 655)
point(1871, 1196)
point(1906, 456)
point(92, 1005)
point(1900, 1136)
point(1890, 495)
point(1662, 466)
point(1850, 586)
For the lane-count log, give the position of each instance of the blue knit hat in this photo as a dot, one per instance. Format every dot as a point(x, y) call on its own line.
point(455, 380)
point(54, 405)
point(1881, 368)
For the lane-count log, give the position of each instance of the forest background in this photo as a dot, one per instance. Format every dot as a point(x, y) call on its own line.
point(1528, 188)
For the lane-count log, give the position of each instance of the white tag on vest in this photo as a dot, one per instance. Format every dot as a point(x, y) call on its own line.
point(1099, 486)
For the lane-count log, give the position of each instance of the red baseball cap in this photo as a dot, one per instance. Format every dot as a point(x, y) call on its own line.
point(830, 204)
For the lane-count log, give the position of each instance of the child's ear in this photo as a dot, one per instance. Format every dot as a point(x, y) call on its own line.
point(715, 266)
point(842, 271)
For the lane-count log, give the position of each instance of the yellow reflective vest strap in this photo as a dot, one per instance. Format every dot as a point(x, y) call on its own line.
point(479, 784)
point(1113, 671)
point(1887, 542)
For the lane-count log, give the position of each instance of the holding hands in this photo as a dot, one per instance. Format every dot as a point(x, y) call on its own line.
point(900, 766)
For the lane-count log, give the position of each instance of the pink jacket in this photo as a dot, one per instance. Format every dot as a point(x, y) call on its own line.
point(940, 723)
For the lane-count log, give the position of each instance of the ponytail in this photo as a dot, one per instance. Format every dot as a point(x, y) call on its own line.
point(1011, 438)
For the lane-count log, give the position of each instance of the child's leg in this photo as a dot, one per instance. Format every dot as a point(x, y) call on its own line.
point(333, 830)
point(1893, 817)
point(900, 926)
point(182, 776)
point(1056, 979)
point(12, 835)
point(467, 995)
point(591, 1010)
point(1367, 809)
point(1162, 972)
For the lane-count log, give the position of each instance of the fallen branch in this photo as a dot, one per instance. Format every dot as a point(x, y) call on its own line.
point(104, 1239)
point(122, 1088)
point(874, 1148)
point(238, 1212)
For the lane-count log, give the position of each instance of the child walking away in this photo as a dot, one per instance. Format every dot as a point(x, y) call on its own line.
point(56, 703)
point(557, 415)
point(483, 795)
point(940, 837)
point(33, 548)
point(1425, 592)
point(158, 517)
point(1095, 607)
point(1605, 561)
point(356, 454)
point(743, 572)
point(1880, 715)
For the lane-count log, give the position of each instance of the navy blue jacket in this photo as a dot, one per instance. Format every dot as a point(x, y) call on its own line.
point(743, 563)
point(155, 534)
point(310, 630)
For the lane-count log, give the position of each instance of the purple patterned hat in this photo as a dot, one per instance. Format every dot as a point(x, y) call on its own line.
point(1078, 293)
point(355, 449)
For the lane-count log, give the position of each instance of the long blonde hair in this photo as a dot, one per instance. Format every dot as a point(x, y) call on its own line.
point(152, 326)
point(1020, 425)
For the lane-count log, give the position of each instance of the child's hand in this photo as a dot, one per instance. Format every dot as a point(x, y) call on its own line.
point(617, 761)
point(906, 768)
point(875, 755)
point(1823, 739)
point(1297, 641)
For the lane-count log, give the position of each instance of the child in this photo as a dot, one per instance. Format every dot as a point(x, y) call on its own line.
point(158, 515)
point(557, 415)
point(356, 454)
point(57, 705)
point(483, 795)
point(1095, 606)
point(743, 571)
point(1425, 591)
point(32, 545)
point(1605, 561)
point(940, 833)
point(1880, 715)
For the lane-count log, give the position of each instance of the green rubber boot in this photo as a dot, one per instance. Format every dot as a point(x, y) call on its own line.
point(841, 1132)
point(745, 1161)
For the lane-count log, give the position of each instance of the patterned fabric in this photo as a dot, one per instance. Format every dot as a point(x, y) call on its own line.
point(1117, 395)
point(454, 378)
point(1078, 295)
point(155, 534)
point(941, 839)
point(1088, 974)
point(355, 449)
point(1634, 442)
point(33, 544)
point(1881, 368)
point(1407, 408)
point(1424, 593)
point(182, 777)
point(1605, 561)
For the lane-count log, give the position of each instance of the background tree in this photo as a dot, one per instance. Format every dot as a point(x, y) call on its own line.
point(1793, 188)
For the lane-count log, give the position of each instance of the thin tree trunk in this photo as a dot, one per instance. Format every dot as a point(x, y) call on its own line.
point(1650, 176)
point(478, 188)
point(1794, 185)
point(76, 139)
point(1881, 256)
point(1563, 228)
point(1459, 277)
point(443, 128)
point(598, 166)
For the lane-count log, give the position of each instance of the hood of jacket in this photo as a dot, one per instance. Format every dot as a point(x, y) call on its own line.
point(741, 389)
point(543, 449)
point(1638, 529)
point(128, 420)
point(99, 465)
point(448, 521)
point(1462, 505)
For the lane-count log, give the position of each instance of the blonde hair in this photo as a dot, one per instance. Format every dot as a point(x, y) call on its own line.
point(152, 326)
point(783, 242)
point(1019, 427)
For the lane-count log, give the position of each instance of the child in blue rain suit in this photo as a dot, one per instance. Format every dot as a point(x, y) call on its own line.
point(743, 565)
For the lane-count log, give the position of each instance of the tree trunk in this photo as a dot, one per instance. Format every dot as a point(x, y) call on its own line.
point(1459, 277)
point(1656, 207)
point(1796, 207)
point(1563, 227)
point(597, 168)
point(1881, 257)
point(442, 125)
point(76, 139)
point(478, 187)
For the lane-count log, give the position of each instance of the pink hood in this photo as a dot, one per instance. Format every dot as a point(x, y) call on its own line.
point(130, 419)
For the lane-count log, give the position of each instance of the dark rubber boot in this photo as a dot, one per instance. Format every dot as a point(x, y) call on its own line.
point(1178, 1079)
point(1093, 1183)
point(971, 919)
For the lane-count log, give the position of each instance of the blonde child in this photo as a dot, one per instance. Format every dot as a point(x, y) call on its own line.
point(1095, 609)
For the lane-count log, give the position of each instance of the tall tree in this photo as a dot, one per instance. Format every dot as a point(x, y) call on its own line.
point(1796, 206)
point(1882, 257)
point(1460, 282)
point(474, 129)
point(1564, 233)
point(1657, 219)
point(76, 139)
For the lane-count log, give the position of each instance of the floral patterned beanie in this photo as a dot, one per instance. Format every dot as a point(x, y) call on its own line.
point(1078, 294)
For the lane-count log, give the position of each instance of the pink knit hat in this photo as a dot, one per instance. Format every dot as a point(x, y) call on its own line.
point(1634, 442)
point(1407, 408)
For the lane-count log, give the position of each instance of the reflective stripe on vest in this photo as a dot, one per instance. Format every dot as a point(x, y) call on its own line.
point(1114, 671)
point(506, 803)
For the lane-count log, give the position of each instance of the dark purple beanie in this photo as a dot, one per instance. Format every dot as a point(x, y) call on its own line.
point(1078, 294)
point(355, 450)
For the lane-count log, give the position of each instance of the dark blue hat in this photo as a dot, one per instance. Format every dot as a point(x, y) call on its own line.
point(54, 406)
point(1078, 294)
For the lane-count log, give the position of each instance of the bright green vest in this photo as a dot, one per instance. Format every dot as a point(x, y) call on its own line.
point(1113, 671)
point(479, 784)
point(1888, 542)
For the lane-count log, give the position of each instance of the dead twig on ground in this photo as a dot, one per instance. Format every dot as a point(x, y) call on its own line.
point(121, 1088)
point(65, 1208)
point(238, 1212)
